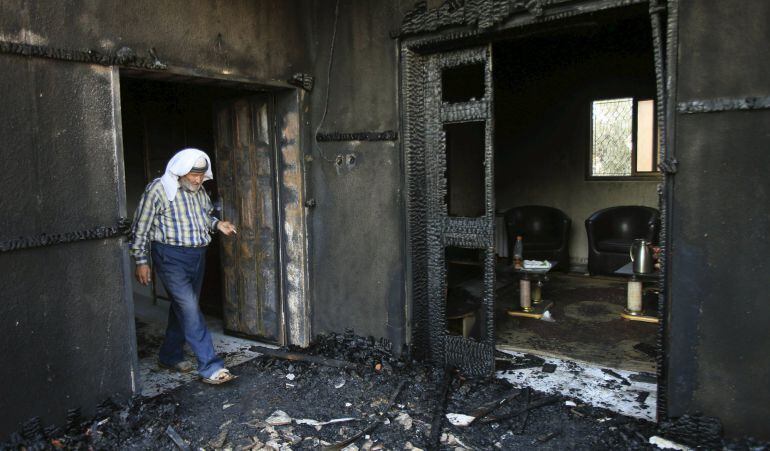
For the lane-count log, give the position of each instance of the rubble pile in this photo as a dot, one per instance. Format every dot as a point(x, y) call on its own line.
point(349, 392)
point(139, 424)
point(352, 348)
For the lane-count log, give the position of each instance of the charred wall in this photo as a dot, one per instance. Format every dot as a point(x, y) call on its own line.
point(718, 362)
point(63, 173)
point(357, 223)
point(68, 341)
point(260, 40)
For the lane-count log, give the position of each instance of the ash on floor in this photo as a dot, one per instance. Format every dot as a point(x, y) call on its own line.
point(626, 392)
point(279, 404)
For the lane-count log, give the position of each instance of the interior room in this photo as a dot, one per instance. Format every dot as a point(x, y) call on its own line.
point(575, 140)
point(160, 118)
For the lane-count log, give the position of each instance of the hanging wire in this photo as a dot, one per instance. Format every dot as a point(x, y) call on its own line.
point(328, 82)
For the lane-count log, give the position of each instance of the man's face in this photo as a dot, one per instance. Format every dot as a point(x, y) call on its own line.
point(192, 181)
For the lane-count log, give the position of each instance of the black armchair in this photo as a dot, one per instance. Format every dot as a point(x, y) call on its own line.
point(545, 232)
point(611, 232)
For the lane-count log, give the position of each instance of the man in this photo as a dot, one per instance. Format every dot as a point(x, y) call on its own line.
point(173, 223)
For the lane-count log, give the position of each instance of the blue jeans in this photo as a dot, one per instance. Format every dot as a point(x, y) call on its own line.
point(181, 271)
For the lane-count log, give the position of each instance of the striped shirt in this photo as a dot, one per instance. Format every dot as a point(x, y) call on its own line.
point(185, 221)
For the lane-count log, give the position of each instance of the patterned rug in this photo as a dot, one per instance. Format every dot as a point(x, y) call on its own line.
point(584, 322)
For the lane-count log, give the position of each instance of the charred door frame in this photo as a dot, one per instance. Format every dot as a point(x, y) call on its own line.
point(420, 36)
point(292, 140)
point(474, 356)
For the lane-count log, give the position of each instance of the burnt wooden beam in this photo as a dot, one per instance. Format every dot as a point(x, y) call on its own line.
point(523, 424)
point(486, 409)
point(298, 357)
point(121, 228)
point(533, 405)
point(372, 426)
point(483, 15)
point(125, 56)
point(438, 415)
point(723, 104)
point(387, 135)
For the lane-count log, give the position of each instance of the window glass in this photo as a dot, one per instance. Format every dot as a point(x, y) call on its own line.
point(611, 137)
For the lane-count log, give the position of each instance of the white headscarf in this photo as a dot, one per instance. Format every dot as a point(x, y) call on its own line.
point(180, 165)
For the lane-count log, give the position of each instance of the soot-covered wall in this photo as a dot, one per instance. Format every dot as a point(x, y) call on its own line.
point(719, 305)
point(66, 339)
point(357, 225)
point(60, 133)
point(544, 87)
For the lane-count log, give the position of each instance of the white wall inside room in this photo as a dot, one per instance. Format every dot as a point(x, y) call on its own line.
point(578, 199)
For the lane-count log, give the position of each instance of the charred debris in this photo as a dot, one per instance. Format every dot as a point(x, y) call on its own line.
point(349, 392)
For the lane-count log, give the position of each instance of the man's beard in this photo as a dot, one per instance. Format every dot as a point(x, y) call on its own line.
point(189, 186)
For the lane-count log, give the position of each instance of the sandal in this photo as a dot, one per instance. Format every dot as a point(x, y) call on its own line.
point(181, 367)
point(220, 376)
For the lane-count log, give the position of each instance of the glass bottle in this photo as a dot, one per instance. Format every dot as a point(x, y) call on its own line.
point(518, 252)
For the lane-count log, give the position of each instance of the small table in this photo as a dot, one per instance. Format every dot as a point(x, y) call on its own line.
point(634, 310)
point(531, 304)
point(461, 306)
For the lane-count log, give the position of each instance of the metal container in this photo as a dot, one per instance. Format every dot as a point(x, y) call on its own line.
point(641, 256)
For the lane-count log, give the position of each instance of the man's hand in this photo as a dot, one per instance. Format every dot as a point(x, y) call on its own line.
point(143, 274)
point(226, 227)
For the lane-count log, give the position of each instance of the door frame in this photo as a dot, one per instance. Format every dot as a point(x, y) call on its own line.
point(421, 35)
point(291, 111)
point(473, 355)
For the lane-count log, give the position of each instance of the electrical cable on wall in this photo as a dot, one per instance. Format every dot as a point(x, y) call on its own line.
point(328, 82)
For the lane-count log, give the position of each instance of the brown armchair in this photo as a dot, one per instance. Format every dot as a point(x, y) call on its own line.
point(545, 232)
point(611, 232)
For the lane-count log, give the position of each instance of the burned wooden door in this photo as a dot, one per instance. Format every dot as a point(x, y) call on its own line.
point(460, 196)
point(246, 174)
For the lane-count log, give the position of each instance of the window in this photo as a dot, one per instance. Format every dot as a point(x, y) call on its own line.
point(623, 138)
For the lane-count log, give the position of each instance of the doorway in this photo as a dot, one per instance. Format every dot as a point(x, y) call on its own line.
point(159, 119)
point(579, 141)
point(242, 128)
point(550, 82)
